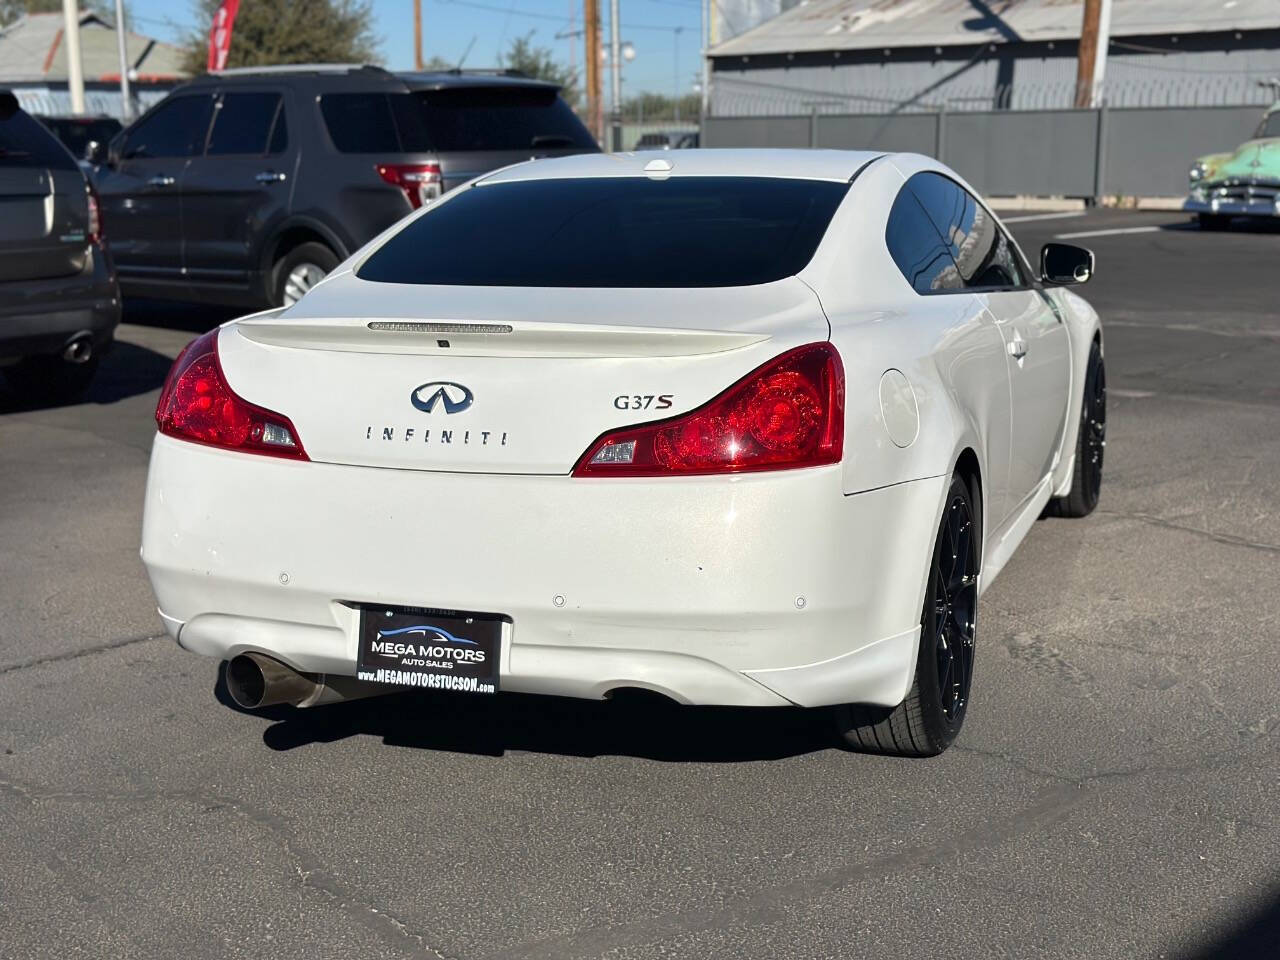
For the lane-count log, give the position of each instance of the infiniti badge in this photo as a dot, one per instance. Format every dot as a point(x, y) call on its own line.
point(454, 396)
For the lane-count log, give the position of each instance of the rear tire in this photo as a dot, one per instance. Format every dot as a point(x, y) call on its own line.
point(928, 720)
point(46, 379)
point(1213, 221)
point(299, 270)
point(1091, 443)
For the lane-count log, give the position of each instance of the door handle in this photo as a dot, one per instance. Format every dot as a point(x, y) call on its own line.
point(1018, 349)
point(269, 176)
point(161, 180)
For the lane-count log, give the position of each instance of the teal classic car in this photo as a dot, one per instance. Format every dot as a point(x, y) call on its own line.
point(1242, 183)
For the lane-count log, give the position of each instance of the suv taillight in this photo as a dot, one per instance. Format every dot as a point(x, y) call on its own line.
point(787, 413)
point(197, 404)
point(95, 216)
point(421, 182)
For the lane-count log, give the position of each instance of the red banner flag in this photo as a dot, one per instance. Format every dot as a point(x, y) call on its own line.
point(220, 34)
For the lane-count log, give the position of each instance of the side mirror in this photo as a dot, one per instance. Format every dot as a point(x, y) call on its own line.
point(1062, 264)
point(95, 152)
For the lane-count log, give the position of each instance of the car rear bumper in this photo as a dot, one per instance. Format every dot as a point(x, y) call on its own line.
point(763, 589)
point(41, 316)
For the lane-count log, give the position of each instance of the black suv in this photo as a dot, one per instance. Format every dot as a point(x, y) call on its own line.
point(247, 186)
point(59, 304)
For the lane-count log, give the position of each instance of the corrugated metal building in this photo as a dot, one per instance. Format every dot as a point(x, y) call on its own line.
point(889, 56)
point(33, 64)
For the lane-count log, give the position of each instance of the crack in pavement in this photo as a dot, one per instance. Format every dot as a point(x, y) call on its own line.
point(774, 903)
point(306, 868)
point(77, 654)
point(1227, 538)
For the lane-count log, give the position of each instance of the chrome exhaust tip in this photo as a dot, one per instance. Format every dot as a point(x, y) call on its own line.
point(79, 349)
point(255, 680)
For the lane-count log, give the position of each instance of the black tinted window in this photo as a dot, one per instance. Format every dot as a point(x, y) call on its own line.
point(76, 133)
point(242, 123)
point(360, 122)
point(25, 143)
point(981, 251)
point(917, 248)
point(497, 118)
point(614, 232)
point(279, 133)
point(177, 128)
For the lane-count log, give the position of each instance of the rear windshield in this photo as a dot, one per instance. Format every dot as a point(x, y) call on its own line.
point(455, 119)
point(613, 232)
point(25, 143)
point(76, 134)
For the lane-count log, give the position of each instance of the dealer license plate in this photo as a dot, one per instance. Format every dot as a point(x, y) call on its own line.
point(429, 648)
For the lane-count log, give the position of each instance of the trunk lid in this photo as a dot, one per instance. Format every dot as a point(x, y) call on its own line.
point(501, 379)
point(43, 223)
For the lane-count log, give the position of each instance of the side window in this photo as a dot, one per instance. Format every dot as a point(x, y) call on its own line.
point(982, 252)
point(279, 134)
point(917, 249)
point(176, 129)
point(360, 122)
point(242, 123)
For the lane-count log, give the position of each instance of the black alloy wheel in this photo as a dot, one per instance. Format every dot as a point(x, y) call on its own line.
point(930, 717)
point(1091, 443)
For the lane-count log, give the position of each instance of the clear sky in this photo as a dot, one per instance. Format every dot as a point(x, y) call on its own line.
point(449, 27)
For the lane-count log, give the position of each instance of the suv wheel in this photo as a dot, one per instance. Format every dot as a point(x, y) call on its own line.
point(299, 270)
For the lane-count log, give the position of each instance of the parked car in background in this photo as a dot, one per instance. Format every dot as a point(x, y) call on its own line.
point(59, 303)
point(248, 186)
point(83, 136)
point(668, 140)
point(1241, 182)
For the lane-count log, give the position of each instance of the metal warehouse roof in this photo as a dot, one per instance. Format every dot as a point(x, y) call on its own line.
point(869, 24)
point(33, 49)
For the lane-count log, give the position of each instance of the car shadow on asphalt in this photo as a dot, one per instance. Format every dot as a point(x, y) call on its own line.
point(191, 316)
point(635, 725)
point(1238, 225)
point(126, 370)
point(1252, 938)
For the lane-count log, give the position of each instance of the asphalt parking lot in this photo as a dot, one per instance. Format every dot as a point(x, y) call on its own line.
point(1115, 792)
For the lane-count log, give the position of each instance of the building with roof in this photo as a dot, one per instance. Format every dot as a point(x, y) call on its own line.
point(891, 56)
point(33, 64)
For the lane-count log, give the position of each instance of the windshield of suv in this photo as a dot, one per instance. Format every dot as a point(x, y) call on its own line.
point(453, 119)
point(613, 232)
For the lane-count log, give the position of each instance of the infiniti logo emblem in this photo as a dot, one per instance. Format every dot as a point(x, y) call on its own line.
point(454, 396)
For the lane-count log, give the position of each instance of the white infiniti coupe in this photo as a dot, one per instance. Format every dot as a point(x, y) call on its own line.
point(748, 427)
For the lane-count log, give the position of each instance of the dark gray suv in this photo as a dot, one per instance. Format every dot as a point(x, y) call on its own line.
point(59, 303)
point(247, 186)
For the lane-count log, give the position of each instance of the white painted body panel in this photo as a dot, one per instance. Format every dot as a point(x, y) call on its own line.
point(783, 587)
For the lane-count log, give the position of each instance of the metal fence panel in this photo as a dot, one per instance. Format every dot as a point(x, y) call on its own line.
point(1149, 150)
point(1016, 153)
point(909, 133)
point(755, 132)
point(1145, 151)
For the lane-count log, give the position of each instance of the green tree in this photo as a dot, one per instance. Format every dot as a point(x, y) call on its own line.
point(269, 32)
point(11, 10)
point(539, 63)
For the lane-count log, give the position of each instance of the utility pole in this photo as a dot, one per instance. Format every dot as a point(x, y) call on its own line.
point(591, 31)
point(1091, 65)
point(615, 64)
point(126, 100)
point(706, 45)
point(417, 35)
point(75, 67)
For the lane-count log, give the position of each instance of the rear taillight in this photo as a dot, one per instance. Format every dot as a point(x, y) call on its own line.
point(197, 404)
point(421, 182)
point(95, 216)
point(787, 413)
